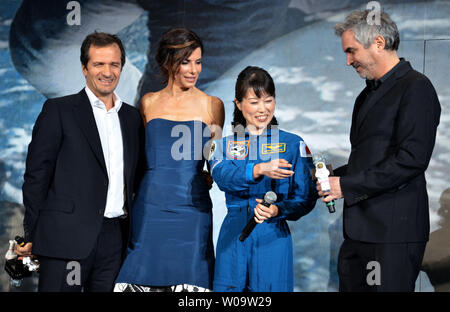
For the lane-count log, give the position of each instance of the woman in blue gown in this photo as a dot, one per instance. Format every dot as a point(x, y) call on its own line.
point(171, 247)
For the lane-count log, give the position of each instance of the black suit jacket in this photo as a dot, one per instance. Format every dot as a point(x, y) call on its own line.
point(66, 181)
point(392, 139)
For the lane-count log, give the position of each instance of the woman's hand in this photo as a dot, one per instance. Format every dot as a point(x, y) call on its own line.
point(272, 169)
point(209, 180)
point(263, 213)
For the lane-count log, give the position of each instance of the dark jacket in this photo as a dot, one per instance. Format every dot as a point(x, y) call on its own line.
point(392, 139)
point(66, 181)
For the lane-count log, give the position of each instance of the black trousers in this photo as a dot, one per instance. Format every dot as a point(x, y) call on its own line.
point(373, 267)
point(96, 273)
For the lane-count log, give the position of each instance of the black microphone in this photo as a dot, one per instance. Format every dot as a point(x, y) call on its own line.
point(269, 198)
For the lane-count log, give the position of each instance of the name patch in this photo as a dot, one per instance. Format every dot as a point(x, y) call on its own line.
point(273, 148)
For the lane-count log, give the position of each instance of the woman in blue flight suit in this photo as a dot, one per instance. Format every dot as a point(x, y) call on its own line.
point(258, 158)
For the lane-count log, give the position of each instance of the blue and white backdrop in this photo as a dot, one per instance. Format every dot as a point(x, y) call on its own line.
point(293, 39)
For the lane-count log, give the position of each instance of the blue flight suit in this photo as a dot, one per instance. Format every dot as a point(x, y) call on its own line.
point(264, 261)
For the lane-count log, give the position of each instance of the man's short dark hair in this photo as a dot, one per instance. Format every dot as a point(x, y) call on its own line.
point(100, 39)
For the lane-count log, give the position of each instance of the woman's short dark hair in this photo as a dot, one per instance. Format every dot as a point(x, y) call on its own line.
point(174, 47)
point(100, 39)
point(261, 82)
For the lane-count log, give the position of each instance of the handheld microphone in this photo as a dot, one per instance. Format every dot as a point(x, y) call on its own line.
point(322, 174)
point(269, 198)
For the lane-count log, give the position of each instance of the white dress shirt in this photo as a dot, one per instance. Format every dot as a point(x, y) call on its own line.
point(108, 125)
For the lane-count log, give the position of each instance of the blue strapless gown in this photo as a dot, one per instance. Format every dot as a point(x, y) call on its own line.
point(171, 219)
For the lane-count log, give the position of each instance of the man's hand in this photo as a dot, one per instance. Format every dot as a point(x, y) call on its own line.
point(24, 251)
point(335, 192)
point(263, 213)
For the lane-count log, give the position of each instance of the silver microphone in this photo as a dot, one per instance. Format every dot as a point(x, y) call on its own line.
point(269, 198)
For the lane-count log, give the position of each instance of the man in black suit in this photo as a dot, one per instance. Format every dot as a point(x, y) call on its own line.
point(80, 175)
point(386, 217)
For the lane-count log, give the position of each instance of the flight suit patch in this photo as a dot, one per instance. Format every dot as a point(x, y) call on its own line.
point(273, 148)
point(237, 149)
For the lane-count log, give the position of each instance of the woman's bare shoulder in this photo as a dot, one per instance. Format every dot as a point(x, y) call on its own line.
point(216, 110)
point(215, 101)
point(149, 98)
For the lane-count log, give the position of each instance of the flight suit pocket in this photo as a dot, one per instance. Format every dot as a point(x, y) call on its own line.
point(282, 187)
